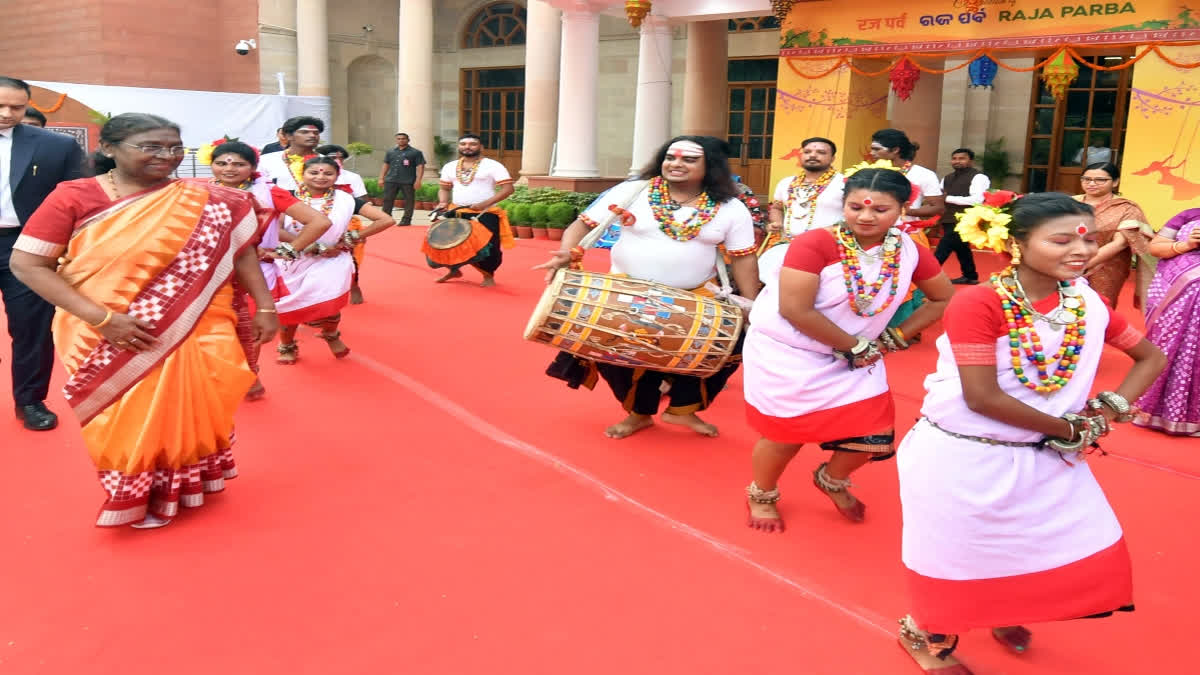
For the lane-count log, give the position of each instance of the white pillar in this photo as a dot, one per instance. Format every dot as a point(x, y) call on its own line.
point(543, 31)
point(652, 116)
point(312, 40)
point(414, 101)
point(706, 82)
point(577, 93)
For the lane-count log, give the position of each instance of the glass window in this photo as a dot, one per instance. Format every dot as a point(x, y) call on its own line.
point(499, 24)
point(737, 99)
point(1039, 151)
point(747, 24)
point(1072, 148)
point(753, 70)
point(1077, 108)
point(1044, 121)
point(737, 123)
point(1037, 180)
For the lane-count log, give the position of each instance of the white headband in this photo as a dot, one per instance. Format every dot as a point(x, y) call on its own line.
point(685, 149)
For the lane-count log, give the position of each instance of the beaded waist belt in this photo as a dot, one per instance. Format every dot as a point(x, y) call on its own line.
point(981, 439)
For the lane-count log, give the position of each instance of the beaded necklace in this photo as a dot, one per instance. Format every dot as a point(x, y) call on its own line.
point(466, 176)
point(244, 185)
point(860, 294)
point(808, 194)
point(307, 197)
point(1020, 315)
point(664, 211)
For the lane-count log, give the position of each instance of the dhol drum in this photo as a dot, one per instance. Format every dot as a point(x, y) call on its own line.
point(455, 241)
point(634, 323)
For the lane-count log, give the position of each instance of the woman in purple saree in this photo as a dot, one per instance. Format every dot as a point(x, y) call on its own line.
point(1172, 404)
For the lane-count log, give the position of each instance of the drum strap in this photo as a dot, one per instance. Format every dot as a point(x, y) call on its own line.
point(636, 188)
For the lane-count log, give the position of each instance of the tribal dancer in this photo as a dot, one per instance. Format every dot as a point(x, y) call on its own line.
point(285, 168)
point(811, 355)
point(1004, 523)
point(810, 201)
point(353, 183)
point(314, 282)
point(233, 166)
point(676, 215)
point(475, 185)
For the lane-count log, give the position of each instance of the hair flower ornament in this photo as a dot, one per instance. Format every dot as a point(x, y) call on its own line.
point(985, 226)
point(877, 164)
point(204, 154)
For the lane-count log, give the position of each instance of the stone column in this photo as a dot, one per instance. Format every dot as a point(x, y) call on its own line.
point(542, 53)
point(414, 101)
point(706, 82)
point(577, 93)
point(312, 42)
point(652, 116)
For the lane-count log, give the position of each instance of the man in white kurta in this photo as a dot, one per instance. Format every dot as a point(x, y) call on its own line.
point(472, 186)
point(811, 200)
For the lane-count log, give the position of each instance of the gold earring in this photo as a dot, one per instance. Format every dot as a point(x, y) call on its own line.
point(1016, 255)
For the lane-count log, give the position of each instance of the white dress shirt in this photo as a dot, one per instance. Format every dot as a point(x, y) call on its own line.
point(8, 212)
point(979, 185)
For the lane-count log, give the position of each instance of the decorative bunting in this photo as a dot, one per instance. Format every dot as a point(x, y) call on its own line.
point(1059, 74)
point(983, 72)
point(904, 77)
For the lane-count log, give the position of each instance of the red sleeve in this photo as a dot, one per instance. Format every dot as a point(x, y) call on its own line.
point(812, 252)
point(927, 265)
point(282, 199)
point(54, 221)
point(974, 320)
point(1119, 333)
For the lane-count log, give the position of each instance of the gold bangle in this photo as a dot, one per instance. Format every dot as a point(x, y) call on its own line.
point(264, 310)
point(107, 318)
point(1175, 244)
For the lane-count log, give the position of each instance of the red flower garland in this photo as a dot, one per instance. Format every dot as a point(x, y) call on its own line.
point(904, 78)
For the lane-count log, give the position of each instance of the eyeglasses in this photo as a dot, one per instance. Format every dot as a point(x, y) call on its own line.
point(1095, 181)
point(156, 150)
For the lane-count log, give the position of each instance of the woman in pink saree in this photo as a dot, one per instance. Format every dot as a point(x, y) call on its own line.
point(1172, 404)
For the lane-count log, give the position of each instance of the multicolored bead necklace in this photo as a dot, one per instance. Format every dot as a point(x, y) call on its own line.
point(1019, 314)
point(860, 294)
point(244, 185)
point(465, 176)
point(326, 206)
point(804, 194)
point(664, 211)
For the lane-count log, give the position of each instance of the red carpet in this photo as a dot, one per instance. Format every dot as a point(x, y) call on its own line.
point(435, 504)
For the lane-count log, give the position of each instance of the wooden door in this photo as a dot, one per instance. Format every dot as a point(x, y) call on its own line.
point(751, 120)
point(493, 106)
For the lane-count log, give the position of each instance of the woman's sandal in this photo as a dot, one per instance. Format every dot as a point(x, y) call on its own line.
point(855, 513)
point(256, 392)
point(1015, 638)
point(289, 352)
point(757, 495)
point(330, 338)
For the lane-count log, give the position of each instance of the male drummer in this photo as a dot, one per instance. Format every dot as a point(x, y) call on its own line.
point(474, 184)
point(683, 206)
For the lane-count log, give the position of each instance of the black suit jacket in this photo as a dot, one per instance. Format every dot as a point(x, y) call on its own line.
point(40, 161)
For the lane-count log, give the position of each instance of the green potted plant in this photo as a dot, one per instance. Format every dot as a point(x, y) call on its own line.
point(374, 190)
point(443, 150)
point(519, 217)
point(539, 214)
point(561, 214)
point(356, 150)
point(426, 196)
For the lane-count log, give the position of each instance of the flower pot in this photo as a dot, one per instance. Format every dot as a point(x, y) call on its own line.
point(554, 234)
point(540, 233)
point(524, 231)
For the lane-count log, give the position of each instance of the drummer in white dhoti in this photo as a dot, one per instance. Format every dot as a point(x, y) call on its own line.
point(676, 215)
point(808, 201)
point(815, 337)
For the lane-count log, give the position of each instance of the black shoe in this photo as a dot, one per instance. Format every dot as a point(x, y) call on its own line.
point(37, 417)
point(404, 223)
point(964, 281)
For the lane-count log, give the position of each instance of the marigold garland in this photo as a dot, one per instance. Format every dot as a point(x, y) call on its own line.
point(62, 98)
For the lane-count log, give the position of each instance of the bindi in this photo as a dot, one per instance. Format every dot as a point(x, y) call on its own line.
point(868, 201)
point(1081, 229)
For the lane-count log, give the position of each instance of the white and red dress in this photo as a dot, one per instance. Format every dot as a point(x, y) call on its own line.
point(312, 287)
point(273, 201)
point(796, 390)
point(1000, 535)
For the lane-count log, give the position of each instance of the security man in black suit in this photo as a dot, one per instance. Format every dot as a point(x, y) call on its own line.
point(32, 162)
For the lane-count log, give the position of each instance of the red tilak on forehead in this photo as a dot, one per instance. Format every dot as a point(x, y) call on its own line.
point(1082, 229)
point(868, 201)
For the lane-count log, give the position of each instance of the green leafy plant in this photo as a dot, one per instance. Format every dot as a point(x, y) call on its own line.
point(996, 163)
point(443, 150)
point(539, 213)
point(374, 190)
point(99, 118)
point(427, 192)
point(519, 214)
point(560, 215)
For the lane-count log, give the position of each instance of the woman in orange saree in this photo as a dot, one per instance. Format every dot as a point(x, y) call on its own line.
point(141, 268)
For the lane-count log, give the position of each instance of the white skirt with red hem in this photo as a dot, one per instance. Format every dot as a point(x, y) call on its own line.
point(1000, 536)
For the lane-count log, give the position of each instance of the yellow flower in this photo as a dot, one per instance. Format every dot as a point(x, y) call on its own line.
point(984, 227)
point(877, 164)
point(204, 153)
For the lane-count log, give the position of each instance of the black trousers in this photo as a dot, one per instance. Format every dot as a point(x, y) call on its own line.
point(29, 318)
point(491, 257)
point(952, 243)
point(407, 191)
point(639, 390)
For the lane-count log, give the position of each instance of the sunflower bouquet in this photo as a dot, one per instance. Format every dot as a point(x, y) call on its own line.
point(985, 226)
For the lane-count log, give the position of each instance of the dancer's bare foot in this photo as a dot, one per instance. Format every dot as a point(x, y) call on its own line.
point(339, 348)
point(488, 281)
point(692, 422)
point(452, 274)
point(356, 297)
point(932, 664)
point(1015, 638)
point(764, 517)
point(838, 491)
point(629, 426)
point(256, 392)
point(289, 352)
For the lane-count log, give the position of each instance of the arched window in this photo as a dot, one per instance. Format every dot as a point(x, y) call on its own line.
point(748, 24)
point(499, 24)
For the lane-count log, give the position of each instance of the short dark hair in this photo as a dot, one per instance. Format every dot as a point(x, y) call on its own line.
point(322, 159)
point(243, 150)
point(464, 137)
point(331, 148)
point(1107, 167)
point(894, 138)
point(36, 114)
point(289, 127)
point(14, 83)
point(401, 133)
point(887, 181)
point(118, 128)
point(818, 139)
point(1036, 208)
point(718, 177)
point(964, 151)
